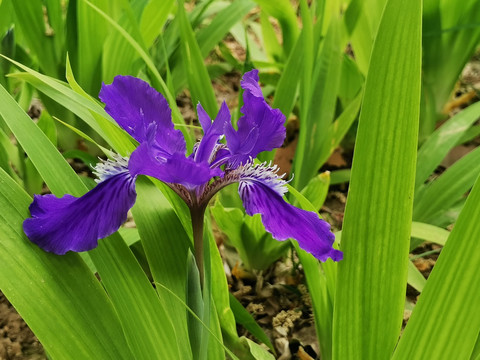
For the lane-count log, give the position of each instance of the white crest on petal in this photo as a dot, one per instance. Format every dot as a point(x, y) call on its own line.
point(110, 167)
point(264, 173)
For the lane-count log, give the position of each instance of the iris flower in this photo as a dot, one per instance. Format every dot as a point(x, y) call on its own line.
point(75, 224)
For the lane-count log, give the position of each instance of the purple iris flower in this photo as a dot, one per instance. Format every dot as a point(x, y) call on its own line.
point(66, 224)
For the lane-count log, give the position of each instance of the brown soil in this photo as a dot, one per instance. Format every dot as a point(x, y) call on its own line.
point(17, 341)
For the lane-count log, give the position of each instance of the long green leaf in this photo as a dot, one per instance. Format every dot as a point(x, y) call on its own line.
point(29, 15)
point(415, 277)
point(371, 279)
point(439, 195)
point(146, 321)
point(166, 246)
point(80, 104)
point(91, 34)
point(66, 294)
point(437, 145)
point(243, 317)
point(285, 13)
point(197, 76)
point(446, 320)
point(429, 233)
point(321, 109)
point(157, 79)
point(113, 261)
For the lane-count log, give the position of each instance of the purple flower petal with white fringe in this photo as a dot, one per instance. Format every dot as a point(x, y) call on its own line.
point(66, 224)
point(262, 190)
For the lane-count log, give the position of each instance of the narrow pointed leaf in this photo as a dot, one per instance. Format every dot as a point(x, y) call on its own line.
point(371, 279)
point(446, 320)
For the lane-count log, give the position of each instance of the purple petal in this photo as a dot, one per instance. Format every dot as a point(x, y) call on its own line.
point(212, 132)
point(250, 83)
point(261, 191)
point(142, 112)
point(176, 169)
point(261, 128)
point(66, 224)
point(203, 118)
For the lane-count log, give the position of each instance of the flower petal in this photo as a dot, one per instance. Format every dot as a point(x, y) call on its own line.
point(212, 132)
point(261, 191)
point(261, 128)
point(66, 224)
point(176, 168)
point(142, 112)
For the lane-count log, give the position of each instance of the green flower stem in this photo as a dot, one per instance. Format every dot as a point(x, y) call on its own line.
point(197, 213)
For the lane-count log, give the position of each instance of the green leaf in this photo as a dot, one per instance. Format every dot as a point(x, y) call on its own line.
point(376, 228)
point(442, 193)
point(92, 32)
point(39, 149)
point(429, 233)
point(415, 277)
point(211, 347)
point(166, 246)
point(339, 128)
point(285, 13)
point(447, 311)
point(81, 105)
point(318, 116)
point(199, 82)
point(244, 318)
point(119, 57)
point(366, 15)
point(437, 145)
point(317, 189)
point(287, 87)
point(208, 37)
point(157, 79)
point(195, 303)
point(450, 36)
point(340, 176)
point(68, 299)
point(212, 34)
point(270, 41)
point(145, 320)
point(61, 179)
point(153, 19)
point(29, 16)
point(47, 125)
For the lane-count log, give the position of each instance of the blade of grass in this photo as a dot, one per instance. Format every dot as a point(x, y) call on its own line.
point(370, 292)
